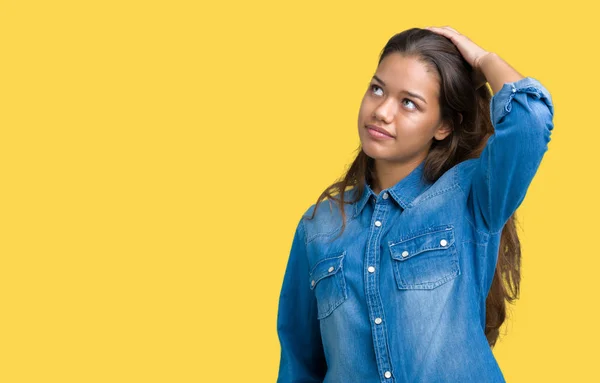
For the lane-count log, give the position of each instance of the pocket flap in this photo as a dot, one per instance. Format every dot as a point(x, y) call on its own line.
point(324, 268)
point(436, 238)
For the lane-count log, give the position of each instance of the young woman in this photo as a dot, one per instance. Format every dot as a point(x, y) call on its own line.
point(404, 277)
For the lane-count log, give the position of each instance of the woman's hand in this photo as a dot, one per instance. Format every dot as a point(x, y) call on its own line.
point(471, 52)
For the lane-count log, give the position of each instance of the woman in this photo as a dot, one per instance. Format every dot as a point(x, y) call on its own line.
point(404, 277)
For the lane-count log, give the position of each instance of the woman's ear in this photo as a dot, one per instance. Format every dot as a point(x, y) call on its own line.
point(443, 131)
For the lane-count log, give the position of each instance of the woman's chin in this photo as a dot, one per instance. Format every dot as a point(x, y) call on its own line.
point(374, 149)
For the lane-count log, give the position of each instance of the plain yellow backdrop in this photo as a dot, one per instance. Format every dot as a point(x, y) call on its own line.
point(155, 157)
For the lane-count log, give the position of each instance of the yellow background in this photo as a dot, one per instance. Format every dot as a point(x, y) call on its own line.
point(157, 155)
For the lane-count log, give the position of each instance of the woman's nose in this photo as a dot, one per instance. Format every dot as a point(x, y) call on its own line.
point(386, 110)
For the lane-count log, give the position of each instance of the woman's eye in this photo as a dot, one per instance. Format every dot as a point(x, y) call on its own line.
point(413, 104)
point(373, 87)
point(376, 89)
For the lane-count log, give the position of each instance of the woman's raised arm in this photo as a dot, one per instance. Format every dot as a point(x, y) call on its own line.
point(521, 112)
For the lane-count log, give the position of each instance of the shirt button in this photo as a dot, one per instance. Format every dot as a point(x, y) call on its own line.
point(312, 283)
point(385, 195)
point(331, 269)
point(443, 242)
point(377, 223)
point(387, 374)
point(378, 320)
point(371, 269)
point(405, 253)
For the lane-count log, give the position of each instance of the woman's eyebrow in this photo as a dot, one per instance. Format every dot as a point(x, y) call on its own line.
point(407, 92)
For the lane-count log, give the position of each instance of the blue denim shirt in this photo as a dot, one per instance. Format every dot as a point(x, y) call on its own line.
point(400, 295)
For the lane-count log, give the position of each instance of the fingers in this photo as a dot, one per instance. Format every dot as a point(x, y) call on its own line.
point(452, 29)
point(446, 31)
point(443, 31)
point(456, 37)
point(447, 28)
point(467, 48)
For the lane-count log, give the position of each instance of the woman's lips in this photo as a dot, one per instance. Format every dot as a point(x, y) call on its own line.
point(377, 133)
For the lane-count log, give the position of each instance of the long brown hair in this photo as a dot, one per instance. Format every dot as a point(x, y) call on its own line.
point(458, 96)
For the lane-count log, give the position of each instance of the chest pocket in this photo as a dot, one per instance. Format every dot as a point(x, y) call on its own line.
point(329, 284)
point(425, 260)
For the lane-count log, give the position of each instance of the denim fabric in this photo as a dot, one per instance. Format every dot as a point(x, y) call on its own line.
point(400, 295)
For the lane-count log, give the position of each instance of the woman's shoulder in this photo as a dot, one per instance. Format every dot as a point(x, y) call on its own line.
point(325, 217)
point(464, 170)
point(458, 177)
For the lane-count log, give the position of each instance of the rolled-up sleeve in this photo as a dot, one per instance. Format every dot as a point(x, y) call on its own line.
point(522, 113)
point(302, 356)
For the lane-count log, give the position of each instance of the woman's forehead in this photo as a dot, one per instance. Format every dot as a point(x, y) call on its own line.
point(407, 73)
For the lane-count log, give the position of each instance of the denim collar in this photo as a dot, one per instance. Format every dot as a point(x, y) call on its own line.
point(403, 192)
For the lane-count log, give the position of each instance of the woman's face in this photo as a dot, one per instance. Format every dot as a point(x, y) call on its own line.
point(402, 99)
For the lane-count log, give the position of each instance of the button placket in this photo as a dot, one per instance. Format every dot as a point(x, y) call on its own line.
point(374, 302)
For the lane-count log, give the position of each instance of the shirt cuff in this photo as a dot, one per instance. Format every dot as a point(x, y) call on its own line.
point(501, 103)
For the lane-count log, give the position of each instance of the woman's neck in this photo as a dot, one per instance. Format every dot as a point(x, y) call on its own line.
point(389, 173)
